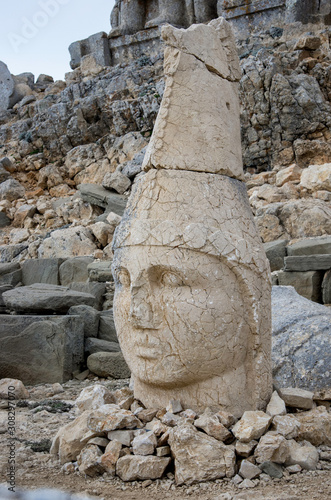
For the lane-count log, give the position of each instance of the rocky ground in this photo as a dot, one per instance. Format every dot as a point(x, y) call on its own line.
point(36, 468)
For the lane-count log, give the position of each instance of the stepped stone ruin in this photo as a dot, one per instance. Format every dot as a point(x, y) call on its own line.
point(192, 300)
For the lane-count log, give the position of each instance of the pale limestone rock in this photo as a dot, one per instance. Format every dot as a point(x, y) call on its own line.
point(70, 242)
point(91, 398)
point(124, 437)
point(212, 426)
point(163, 451)
point(113, 220)
point(174, 406)
point(116, 181)
point(146, 415)
point(124, 398)
point(111, 417)
point(297, 398)
point(303, 454)
point(131, 468)
point(99, 441)
point(110, 457)
point(204, 134)
point(144, 444)
point(170, 419)
point(103, 232)
point(289, 174)
point(192, 301)
point(315, 426)
point(246, 483)
point(245, 449)
point(199, 457)
point(89, 461)
point(294, 469)
point(317, 177)
point(286, 425)
point(272, 448)
point(252, 425)
point(276, 405)
point(71, 439)
point(226, 418)
point(13, 389)
point(248, 470)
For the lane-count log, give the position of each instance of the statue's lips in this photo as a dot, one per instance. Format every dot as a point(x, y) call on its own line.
point(147, 347)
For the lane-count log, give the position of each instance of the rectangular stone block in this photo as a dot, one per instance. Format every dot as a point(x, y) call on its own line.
point(307, 263)
point(310, 246)
point(307, 284)
point(41, 349)
point(97, 195)
point(276, 252)
point(238, 8)
point(41, 271)
point(326, 288)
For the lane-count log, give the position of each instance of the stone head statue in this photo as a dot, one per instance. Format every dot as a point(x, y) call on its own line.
point(192, 299)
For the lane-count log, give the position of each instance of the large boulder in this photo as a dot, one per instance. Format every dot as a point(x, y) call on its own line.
point(44, 298)
point(40, 349)
point(41, 271)
point(301, 351)
point(108, 364)
point(73, 241)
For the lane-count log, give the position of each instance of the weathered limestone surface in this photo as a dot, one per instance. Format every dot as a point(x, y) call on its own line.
point(7, 86)
point(198, 127)
point(40, 349)
point(192, 294)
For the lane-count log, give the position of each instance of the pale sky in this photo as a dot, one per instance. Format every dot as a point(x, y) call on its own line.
point(35, 34)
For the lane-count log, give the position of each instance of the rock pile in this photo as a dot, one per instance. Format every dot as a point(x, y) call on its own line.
point(114, 434)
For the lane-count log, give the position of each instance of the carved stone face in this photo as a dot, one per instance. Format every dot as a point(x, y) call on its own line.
point(179, 315)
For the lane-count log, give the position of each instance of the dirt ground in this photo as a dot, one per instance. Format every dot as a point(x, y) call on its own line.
point(35, 428)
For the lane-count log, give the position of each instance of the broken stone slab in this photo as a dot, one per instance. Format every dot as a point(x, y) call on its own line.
point(89, 317)
point(111, 417)
point(245, 449)
point(13, 277)
point(9, 253)
point(212, 426)
point(297, 398)
point(110, 457)
point(320, 262)
point(11, 190)
point(116, 181)
point(41, 271)
point(108, 364)
point(97, 195)
point(68, 242)
point(310, 246)
point(272, 469)
point(286, 425)
point(302, 453)
point(308, 284)
point(93, 345)
point(74, 270)
point(4, 220)
point(301, 351)
point(199, 457)
point(252, 425)
point(40, 349)
point(41, 297)
point(144, 444)
point(98, 291)
point(136, 467)
point(100, 271)
point(89, 461)
point(276, 252)
point(107, 330)
point(125, 437)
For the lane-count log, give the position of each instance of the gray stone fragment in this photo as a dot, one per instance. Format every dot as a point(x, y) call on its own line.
point(107, 330)
point(308, 284)
point(276, 252)
point(272, 469)
point(98, 290)
point(9, 252)
point(41, 271)
point(40, 349)
point(3, 288)
point(100, 271)
point(297, 398)
point(13, 278)
point(93, 345)
point(41, 297)
point(310, 246)
point(74, 270)
point(11, 190)
point(6, 86)
point(301, 345)
point(90, 318)
point(108, 364)
point(326, 288)
point(9, 267)
point(308, 262)
point(248, 470)
point(134, 167)
point(116, 181)
point(97, 195)
point(4, 174)
point(4, 220)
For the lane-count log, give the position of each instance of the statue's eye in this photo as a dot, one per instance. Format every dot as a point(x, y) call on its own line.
point(169, 278)
point(124, 277)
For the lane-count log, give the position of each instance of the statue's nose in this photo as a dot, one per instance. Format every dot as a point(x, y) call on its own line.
point(144, 312)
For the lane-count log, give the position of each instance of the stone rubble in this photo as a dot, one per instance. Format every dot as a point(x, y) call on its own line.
point(135, 450)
